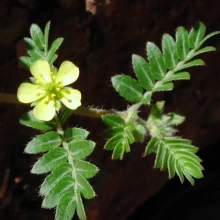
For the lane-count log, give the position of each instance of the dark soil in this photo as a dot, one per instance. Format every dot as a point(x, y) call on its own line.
point(100, 38)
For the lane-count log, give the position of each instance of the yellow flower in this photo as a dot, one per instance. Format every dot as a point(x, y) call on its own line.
point(47, 91)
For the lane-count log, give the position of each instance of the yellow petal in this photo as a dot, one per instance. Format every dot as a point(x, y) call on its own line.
point(41, 71)
point(71, 98)
point(67, 73)
point(28, 93)
point(44, 110)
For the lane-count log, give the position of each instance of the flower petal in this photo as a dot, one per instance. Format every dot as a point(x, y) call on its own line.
point(28, 93)
point(41, 71)
point(44, 110)
point(71, 98)
point(67, 73)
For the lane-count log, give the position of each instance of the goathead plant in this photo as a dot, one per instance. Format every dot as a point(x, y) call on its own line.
point(65, 149)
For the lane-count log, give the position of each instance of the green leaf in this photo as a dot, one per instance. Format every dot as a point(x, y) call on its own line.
point(177, 76)
point(64, 115)
point(207, 37)
point(65, 185)
point(79, 206)
point(84, 187)
point(29, 120)
point(74, 134)
point(156, 60)
point(179, 171)
point(193, 170)
point(175, 119)
point(204, 50)
point(37, 36)
point(66, 207)
point(81, 148)
point(159, 156)
point(152, 145)
point(50, 161)
point(169, 51)
point(113, 132)
point(160, 86)
point(182, 45)
point(118, 151)
point(127, 87)
point(197, 62)
point(129, 136)
point(143, 72)
point(51, 180)
point(52, 60)
point(111, 143)
point(54, 47)
point(46, 35)
point(139, 133)
point(113, 121)
point(196, 35)
point(85, 168)
point(146, 98)
point(26, 61)
point(32, 49)
point(171, 168)
point(44, 142)
point(178, 155)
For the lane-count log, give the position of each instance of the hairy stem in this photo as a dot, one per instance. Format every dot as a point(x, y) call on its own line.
point(84, 111)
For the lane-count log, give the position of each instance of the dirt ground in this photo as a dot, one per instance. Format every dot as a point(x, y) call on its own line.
point(100, 37)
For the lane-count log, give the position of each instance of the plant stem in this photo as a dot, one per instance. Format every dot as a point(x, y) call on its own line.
point(84, 111)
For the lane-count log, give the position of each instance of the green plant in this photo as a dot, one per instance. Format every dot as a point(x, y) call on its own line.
point(65, 150)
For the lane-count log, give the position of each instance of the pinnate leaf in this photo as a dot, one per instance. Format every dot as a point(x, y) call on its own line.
point(178, 156)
